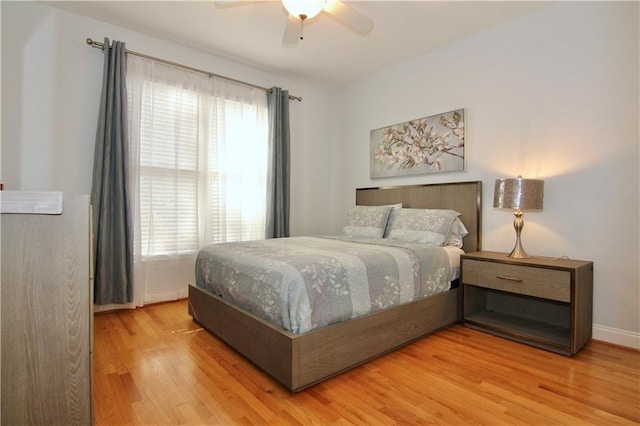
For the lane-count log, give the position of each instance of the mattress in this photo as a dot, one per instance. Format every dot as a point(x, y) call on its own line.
point(454, 254)
point(303, 283)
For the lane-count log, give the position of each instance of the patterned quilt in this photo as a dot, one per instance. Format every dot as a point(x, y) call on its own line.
point(302, 283)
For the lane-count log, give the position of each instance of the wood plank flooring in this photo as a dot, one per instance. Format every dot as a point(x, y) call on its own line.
point(156, 366)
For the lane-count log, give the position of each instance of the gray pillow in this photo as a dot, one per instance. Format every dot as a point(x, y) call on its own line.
point(392, 212)
point(366, 221)
point(427, 226)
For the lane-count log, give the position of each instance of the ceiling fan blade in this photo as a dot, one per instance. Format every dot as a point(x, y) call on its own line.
point(347, 15)
point(292, 30)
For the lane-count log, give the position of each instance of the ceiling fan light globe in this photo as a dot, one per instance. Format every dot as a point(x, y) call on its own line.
point(308, 8)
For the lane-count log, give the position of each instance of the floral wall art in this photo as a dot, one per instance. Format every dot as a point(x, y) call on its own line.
point(427, 145)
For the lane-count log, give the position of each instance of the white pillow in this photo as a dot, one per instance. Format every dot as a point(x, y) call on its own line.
point(458, 232)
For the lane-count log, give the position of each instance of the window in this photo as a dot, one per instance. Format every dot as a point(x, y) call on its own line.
point(199, 149)
point(168, 170)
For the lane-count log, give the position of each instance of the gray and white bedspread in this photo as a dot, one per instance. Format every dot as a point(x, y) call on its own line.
point(302, 283)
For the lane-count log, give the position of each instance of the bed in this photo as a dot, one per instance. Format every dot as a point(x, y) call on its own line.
point(300, 359)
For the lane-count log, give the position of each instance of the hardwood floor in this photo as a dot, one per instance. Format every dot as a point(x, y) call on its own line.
point(156, 366)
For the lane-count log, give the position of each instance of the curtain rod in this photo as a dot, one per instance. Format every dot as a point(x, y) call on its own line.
point(100, 46)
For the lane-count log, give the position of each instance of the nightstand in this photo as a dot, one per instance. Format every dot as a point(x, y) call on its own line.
point(542, 302)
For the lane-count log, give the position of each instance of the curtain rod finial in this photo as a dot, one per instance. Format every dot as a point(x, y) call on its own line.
point(89, 41)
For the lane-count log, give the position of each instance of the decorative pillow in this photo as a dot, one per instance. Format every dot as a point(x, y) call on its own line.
point(392, 212)
point(366, 221)
point(428, 226)
point(458, 231)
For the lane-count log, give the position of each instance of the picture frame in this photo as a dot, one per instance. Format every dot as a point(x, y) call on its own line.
point(434, 144)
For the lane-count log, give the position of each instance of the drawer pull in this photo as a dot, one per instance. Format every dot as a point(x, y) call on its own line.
point(508, 278)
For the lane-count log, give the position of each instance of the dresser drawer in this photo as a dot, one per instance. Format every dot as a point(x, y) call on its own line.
point(539, 282)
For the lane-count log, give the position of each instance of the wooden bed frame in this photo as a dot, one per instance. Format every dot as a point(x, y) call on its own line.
point(298, 361)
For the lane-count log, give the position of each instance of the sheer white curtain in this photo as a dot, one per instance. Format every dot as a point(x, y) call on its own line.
point(199, 153)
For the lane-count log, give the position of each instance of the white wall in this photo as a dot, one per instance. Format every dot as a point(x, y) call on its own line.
point(51, 82)
point(553, 95)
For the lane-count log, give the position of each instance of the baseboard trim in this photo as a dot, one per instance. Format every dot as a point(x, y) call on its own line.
point(616, 336)
point(166, 297)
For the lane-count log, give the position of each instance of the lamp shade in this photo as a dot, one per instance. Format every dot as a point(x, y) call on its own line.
point(518, 194)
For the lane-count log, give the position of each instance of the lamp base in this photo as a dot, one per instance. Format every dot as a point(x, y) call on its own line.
point(518, 252)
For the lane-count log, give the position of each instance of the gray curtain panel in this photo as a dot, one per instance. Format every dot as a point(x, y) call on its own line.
point(112, 227)
point(278, 174)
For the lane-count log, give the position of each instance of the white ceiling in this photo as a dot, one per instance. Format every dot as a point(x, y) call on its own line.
point(330, 54)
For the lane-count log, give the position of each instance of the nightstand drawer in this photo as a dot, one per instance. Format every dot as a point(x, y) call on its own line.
point(539, 282)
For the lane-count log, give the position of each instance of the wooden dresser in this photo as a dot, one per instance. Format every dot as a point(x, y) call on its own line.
point(46, 314)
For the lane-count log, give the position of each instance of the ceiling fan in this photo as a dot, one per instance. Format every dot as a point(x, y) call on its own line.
point(303, 10)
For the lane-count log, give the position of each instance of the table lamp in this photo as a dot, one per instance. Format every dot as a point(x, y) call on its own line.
point(518, 194)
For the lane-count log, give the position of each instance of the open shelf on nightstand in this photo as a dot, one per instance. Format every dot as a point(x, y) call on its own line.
point(516, 326)
point(518, 316)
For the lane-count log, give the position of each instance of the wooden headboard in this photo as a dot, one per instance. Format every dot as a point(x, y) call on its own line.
point(463, 197)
